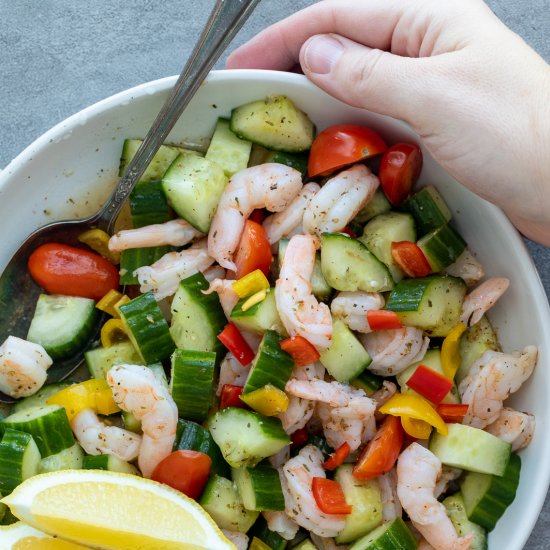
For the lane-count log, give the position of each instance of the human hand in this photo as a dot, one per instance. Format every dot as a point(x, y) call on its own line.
point(477, 95)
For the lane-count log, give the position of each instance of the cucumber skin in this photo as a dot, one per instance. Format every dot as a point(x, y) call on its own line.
point(147, 328)
point(157, 167)
point(51, 436)
point(16, 448)
point(271, 365)
point(425, 210)
point(500, 493)
point(389, 536)
point(108, 462)
point(148, 204)
point(192, 436)
point(261, 531)
point(192, 382)
point(457, 512)
point(134, 258)
point(265, 484)
point(442, 247)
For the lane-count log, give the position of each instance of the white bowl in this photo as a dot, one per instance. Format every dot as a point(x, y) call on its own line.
point(69, 171)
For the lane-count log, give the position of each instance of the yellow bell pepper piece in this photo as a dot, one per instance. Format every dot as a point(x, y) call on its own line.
point(110, 301)
point(268, 400)
point(450, 351)
point(254, 299)
point(98, 240)
point(253, 282)
point(416, 407)
point(123, 300)
point(113, 332)
point(419, 429)
point(92, 394)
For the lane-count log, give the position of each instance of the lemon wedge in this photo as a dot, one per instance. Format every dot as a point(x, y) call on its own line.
point(19, 536)
point(115, 511)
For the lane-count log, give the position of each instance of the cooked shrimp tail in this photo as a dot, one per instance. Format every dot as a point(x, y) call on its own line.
point(482, 298)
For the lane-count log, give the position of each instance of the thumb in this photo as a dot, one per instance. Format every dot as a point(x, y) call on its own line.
point(364, 77)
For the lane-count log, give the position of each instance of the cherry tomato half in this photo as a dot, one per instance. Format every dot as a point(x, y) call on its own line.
point(186, 471)
point(254, 251)
point(400, 168)
point(381, 452)
point(62, 269)
point(340, 145)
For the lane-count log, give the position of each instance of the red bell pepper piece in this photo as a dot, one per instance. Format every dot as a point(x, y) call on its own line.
point(329, 496)
point(230, 396)
point(410, 258)
point(349, 231)
point(381, 319)
point(299, 437)
point(232, 339)
point(302, 351)
point(381, 452)
point(337, 457)
point(452, 412)
point(430, 384)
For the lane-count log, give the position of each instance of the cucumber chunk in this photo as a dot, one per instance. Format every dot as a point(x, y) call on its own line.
point(246, 437)
point(276, 123)
point(347, 264)
point(100, 360)
point(346, 358)
point(366, 502)
point(432, 304)
point(457, 512)
point(19, 459)
point(108, 462)
point(71, 458)
point(486, 497)
point(192, 382)
point(63, 325)
point(259, 487)
point(193, 187)
point(389, 536)
point(260, 317)
point(471, 449)
point(384, 229)
point(160, 163)
point(228, 150)
point(49, 426)
point(442, 247)
point(147, 328)
point(222, 501)
point(148, 205)
point(261, 531)
point(428, 208)
point(377, 205)
point(271, 365)
point(197, 318)
point(134, 258)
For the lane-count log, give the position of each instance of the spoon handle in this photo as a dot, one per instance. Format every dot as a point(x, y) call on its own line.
point(227, 17)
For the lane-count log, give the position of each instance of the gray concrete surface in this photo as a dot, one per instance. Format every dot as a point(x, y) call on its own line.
point(58, 56)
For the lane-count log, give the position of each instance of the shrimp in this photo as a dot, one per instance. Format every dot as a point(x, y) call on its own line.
point(227, 295)
point(491, 379)
point(279, 458)
point(300, 312)
point(467, 267)
point(299, 410)
point(240, 540)
point(97, 438)
point(296, 479)
point(339, 200)
point(347, 414)
point(283, 223)
point(231, 372)
point(352, 308)
point(391, 507)
point(162, 278)
point(383, 395)
point(417, 473)
point(281, 523)
point(23, 367)
point(513, 427)
point(214, 272)
point(393, 350)
point(136, 390)
point(482, 298)
point(174, 232)
point(270, 185)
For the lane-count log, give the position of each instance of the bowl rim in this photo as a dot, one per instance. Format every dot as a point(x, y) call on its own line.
point(539, 492)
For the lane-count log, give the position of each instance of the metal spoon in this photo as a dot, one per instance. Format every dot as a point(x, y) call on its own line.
point(18, 292)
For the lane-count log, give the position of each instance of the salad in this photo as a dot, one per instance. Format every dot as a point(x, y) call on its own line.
point(294, 334)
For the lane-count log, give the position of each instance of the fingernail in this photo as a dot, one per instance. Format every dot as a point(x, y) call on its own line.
point(321, 53)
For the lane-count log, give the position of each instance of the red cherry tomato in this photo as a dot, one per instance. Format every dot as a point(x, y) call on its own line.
point(254, 251)
point(340, 145)
point(186, 471)
point(400, 168)
point(381, 452)
point(62, 269)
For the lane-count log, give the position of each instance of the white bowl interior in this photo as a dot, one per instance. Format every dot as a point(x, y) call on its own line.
point(70, 170)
